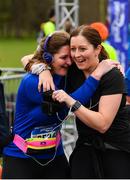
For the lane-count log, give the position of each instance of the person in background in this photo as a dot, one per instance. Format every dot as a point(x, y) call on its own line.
point(47, 27)
point(68, 26)
point(104, 33)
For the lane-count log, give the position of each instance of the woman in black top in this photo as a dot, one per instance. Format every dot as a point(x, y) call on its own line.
point(103, 146)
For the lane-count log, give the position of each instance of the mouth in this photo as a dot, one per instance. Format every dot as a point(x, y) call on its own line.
point(64, 67)
point(80, 61)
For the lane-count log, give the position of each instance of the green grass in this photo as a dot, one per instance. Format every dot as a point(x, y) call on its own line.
point(12, 50)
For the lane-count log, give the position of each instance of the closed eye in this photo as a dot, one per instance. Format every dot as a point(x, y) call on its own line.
point(64, 57)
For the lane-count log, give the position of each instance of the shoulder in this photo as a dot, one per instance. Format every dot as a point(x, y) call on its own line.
point(113, 74)
point(29, 86)
point(49, 24)
point(30, 77)
point(29, 80)
point(113, 82)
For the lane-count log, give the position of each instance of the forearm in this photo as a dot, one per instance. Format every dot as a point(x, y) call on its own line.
point(91, 118)
point(101, 120)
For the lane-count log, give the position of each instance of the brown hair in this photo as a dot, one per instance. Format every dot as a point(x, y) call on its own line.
point(92, 36)
point(57, 40)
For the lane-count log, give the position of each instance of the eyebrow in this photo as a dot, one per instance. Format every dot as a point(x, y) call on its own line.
point(65, 55)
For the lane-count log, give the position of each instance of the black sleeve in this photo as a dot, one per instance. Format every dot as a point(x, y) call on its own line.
point(112, 82)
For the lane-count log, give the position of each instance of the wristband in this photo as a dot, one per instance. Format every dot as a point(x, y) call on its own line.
point(38, 68)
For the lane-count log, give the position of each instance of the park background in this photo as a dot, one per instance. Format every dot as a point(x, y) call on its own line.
point(20, 23)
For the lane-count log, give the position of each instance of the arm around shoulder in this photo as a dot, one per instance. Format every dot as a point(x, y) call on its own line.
point(25, 60)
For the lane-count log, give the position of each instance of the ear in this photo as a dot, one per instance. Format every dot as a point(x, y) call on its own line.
point(98, 49)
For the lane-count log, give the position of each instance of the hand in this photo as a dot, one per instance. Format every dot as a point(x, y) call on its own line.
point(121, 69)
point(26, 59)
point(62, 96)
point(45, 80)
point(104, 67)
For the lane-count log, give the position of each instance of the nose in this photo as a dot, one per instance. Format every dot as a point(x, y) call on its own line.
point(77, 53)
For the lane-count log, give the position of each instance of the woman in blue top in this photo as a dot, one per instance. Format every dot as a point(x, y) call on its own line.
point(31, 119)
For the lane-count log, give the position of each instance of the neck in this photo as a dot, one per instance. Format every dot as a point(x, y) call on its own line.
point(89, 71)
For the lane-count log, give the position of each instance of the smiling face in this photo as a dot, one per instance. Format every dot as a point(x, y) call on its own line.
point(84, 54)
point(61, 61)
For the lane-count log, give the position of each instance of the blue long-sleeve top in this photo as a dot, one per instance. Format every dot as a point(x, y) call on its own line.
point(30, 115)
point(85, 92)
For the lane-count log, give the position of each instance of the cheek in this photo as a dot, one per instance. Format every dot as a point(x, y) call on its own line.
point(57, 65)
point(90, 54)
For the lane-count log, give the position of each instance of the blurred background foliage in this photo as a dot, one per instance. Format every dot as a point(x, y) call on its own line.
point(22, 18)
point(20, 24)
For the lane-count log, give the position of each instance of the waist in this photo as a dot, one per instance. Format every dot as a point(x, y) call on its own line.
point(106, 146)
point(14, 151)
point(96, 142)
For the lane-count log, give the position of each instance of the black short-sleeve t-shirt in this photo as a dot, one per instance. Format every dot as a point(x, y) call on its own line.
point(111, 83)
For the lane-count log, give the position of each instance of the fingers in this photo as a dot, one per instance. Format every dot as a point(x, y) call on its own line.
point(112, 62)
point(118, 65)
point(45, 86)
point(62, 96)
point(46, 81)
point(121, 69)
point(39, 86)
point(58, 95)
point(52, 86)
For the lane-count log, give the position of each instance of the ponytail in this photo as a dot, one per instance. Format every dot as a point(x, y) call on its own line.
point(103, 54)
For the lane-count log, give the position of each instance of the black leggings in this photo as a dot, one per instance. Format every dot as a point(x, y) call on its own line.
point(88, 163)
point(19, 168)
